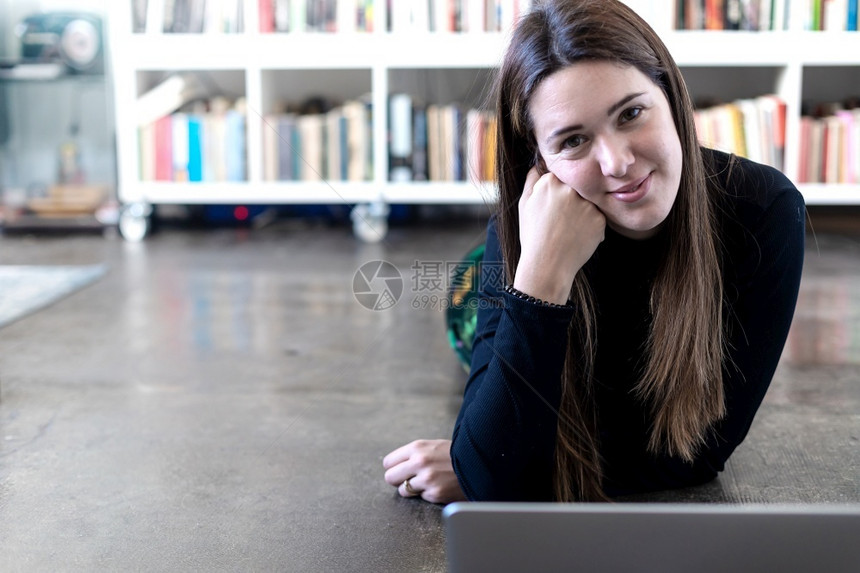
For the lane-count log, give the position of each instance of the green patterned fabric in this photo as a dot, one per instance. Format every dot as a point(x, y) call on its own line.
point(461, 315)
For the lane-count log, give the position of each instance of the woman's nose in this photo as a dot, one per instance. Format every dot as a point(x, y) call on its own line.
point(614, 156)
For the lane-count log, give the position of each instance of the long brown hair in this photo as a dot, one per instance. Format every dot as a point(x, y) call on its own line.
point(682, 378)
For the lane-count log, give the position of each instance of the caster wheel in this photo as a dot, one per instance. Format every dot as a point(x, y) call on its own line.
point(370, 222)
point(134, 222)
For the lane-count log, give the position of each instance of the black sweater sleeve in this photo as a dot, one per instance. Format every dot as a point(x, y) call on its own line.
point(504, 438)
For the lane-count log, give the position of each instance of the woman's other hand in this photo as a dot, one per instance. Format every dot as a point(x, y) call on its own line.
point(559, 232)
point(426, 464)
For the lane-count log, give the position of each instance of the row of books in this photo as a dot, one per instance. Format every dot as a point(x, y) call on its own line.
point(766, 15)
point(454, 15)
point(316, 15)
point(753, 128)
point(188, 16)
point(830, 148)
point(204, 143)
point(334, 146)
point(439, 142)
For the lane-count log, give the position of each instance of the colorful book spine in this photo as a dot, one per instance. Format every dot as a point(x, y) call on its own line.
point(164, 149)
point(195, 148)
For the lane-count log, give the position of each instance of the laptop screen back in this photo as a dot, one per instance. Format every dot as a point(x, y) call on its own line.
point(612, 538)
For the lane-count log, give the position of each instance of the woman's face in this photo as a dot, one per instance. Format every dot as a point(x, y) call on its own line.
point(606, 131)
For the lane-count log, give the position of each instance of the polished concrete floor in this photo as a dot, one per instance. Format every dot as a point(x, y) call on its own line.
point(220, 400)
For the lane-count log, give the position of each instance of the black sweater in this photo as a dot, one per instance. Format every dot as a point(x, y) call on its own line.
point(504, 438)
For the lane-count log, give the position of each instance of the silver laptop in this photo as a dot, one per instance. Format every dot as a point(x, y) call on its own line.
point(665, 538)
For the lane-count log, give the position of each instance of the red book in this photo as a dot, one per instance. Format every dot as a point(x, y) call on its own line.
point(164, 149)
point(267, 16)
point(714, 14)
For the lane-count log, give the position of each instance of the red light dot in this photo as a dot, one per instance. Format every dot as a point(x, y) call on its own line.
point(241, 213)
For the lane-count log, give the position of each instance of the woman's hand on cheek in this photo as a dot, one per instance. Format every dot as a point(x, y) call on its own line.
point(559, 232)
point(427, 465)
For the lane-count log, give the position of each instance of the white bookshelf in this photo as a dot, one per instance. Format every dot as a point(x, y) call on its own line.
point(772, 62)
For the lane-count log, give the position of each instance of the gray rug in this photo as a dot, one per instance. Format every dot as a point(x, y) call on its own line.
point(24, 289)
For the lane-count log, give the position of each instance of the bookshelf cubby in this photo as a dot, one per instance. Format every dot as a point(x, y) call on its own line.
point(267, 69)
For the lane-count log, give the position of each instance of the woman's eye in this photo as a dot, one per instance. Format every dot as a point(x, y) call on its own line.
point(574, 141)
point(630, 113)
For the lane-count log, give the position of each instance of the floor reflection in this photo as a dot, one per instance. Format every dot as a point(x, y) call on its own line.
point(826, 327)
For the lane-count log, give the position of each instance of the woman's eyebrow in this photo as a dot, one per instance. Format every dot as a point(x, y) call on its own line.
point(612, 109)
point(621, 102)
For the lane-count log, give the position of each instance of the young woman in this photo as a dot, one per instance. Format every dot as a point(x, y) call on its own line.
point(651, 282)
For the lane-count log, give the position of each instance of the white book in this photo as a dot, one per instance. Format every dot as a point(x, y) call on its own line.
point(508, 15)
point(270, 147)
point(400, 146)
point(752, 135)
point(358, 140)
point(346, 16)
point(311, 155)
point(155, 17)
point(835, 15)
point(298, 15)
point(230, 16)
point(421, 15)
point(400, 15)
point(282, 15)
point(442, 15)
point(217, 136)
point(475, 137)
point(780, 14)
point(765, 22)
point(801, 14)
point(816, 150)
point(476, 16)
point(213, 18)
point(332, 143)
point(167, 97)
point(767, 139)
point(449, 132)
point(833, 131)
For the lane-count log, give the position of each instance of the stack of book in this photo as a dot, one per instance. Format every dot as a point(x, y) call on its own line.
point(454, 15)
point(188, 16)
point(331, 146)
point(765, 15)
point(752, 128)
point(439, 142)
point(316, 16)
point(830, 147)
point(204, 143)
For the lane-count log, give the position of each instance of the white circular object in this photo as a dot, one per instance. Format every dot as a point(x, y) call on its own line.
point(133, 227)
point(79, 44)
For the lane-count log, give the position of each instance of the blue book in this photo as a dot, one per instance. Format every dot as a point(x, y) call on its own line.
point(195, 148)
point(286, 168)
point(419, 144)
point(344, 147)
point(852, 16)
